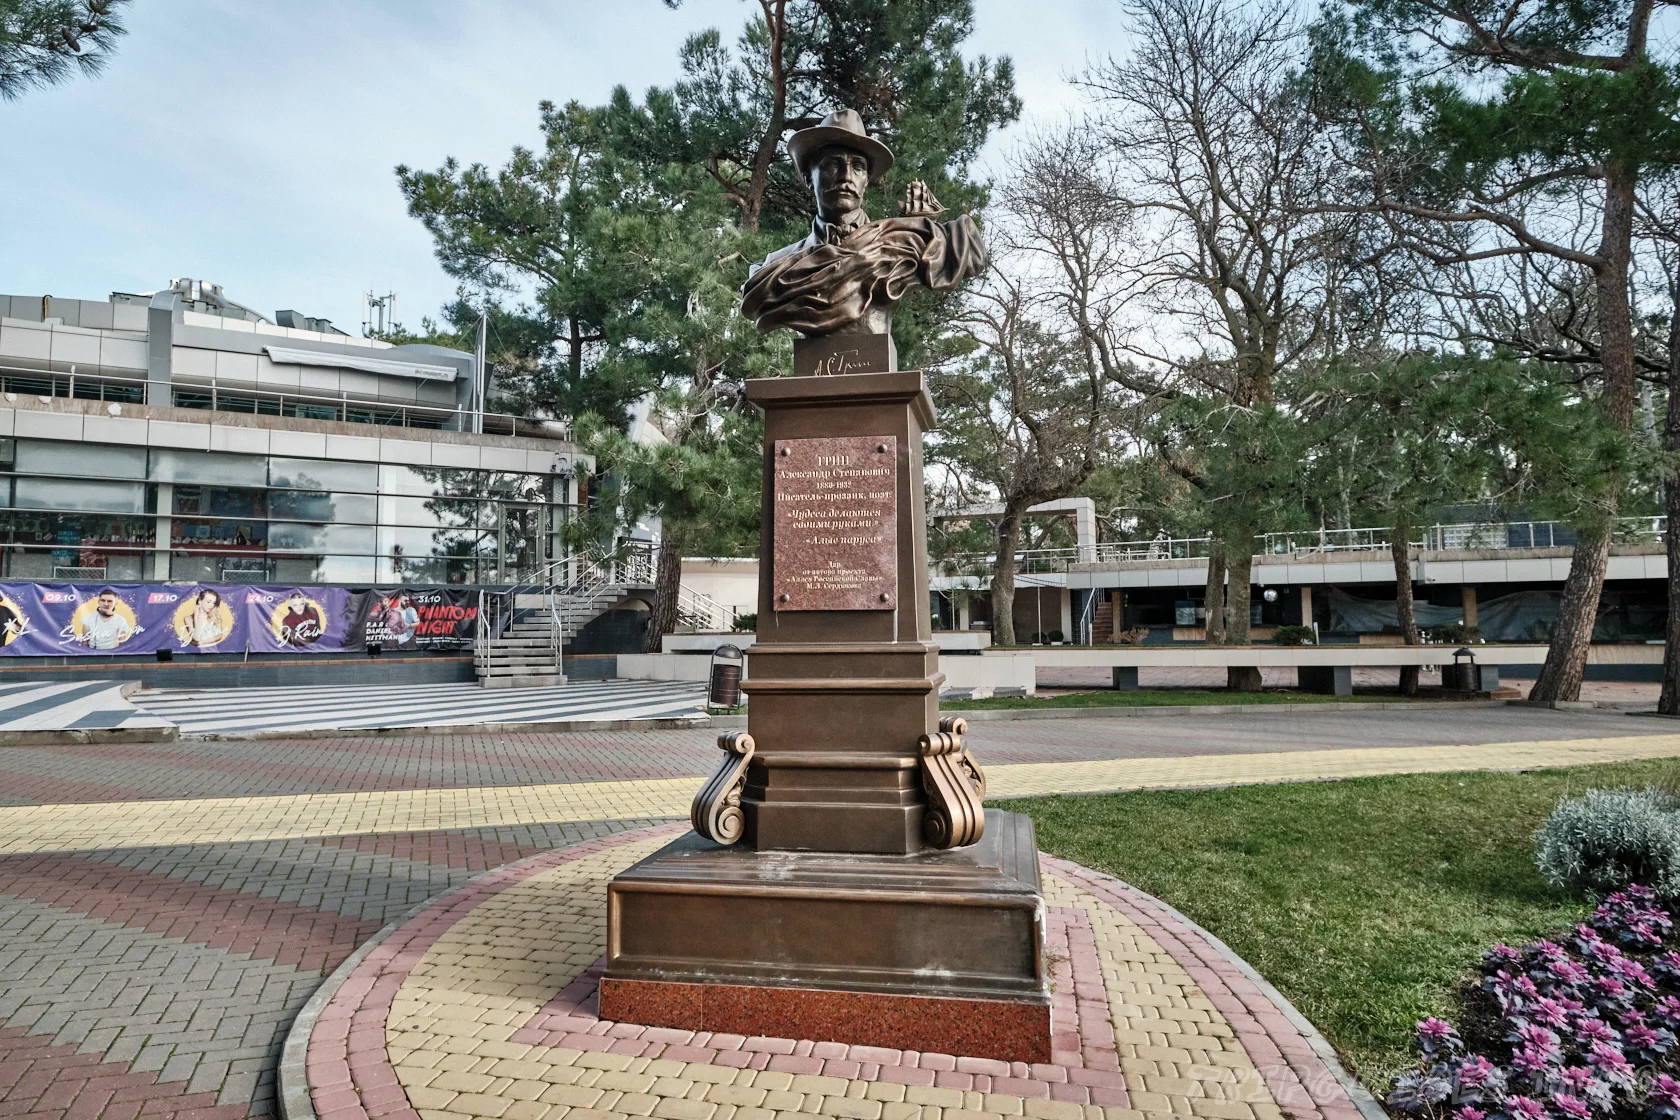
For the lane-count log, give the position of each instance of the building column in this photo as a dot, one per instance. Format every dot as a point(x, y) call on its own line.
point(163, 528)
point(1066, 596)
point(961, 598)
point(1467, 594)
point(1306, 605)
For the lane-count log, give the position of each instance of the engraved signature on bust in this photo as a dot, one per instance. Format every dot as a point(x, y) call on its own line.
point(841, 361)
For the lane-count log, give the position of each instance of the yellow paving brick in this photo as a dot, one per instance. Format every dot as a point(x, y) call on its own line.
point(625, 1081)
point(636, 1104)
point(736, 1095)
point(462, 1082)
point(528, 1110)
point(755, 1114)
point(928, 1094)
point(773, 1079)
point(1002, 1104)
point(479, 1104)
point(671, 1109)
point(884, 1091)
point(673, 1086)
point(900, 1110)
point(1222, 1110)
point(700, 1071)
point(523, 1090)
point(422, 1098)
point(591, 1059)
point(571, 1095)
point(784, 1101)
point(851, 1109)
point(1053, 1110)
point(823, 1086)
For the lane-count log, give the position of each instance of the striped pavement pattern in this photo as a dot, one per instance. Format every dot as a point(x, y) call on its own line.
point(247, 711)
point(33, 706)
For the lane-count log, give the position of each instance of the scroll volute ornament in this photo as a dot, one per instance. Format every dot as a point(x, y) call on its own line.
point(955, 787)
point(716, 812)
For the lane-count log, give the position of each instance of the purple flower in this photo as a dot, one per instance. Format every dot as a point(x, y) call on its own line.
point(1469, 1113)
point(1668, 1010)
point(1551, 1012)
point(1573, 1107)
point(1664, 1090)
point(1590, 1030)
point(1525, 1108)
point(1435, 1035)
point(1610, 1063)
point(1532, 1062)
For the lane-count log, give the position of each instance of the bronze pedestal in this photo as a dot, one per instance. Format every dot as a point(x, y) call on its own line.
point(868, 899)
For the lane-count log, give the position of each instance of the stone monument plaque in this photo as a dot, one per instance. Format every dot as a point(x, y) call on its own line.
point(836, 524)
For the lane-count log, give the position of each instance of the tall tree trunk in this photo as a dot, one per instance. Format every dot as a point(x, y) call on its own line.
point(667, 582)
point(1003, 580)
point(1669, 702)
point(1399, 546)
point(1566, 656)
point(1214, 598)
point(1239, 561)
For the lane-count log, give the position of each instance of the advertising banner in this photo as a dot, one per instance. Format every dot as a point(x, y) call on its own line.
point(59, 620)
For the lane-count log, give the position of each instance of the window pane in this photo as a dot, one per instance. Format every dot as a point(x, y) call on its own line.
point(453, 513)
point(43, 457)
point(291, 536)
point(209, 466)
point(407, 541)
point(523, 487)
point(305, 505)
point(104, 497)
point(78, 529)
point(322, 474)
point(425, 481)
point(217, 533)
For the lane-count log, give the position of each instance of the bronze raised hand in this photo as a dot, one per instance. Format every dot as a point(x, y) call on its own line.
point(919, 202)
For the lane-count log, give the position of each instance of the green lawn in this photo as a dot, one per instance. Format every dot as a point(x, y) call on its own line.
point(1365, 901)
point(1145, 698)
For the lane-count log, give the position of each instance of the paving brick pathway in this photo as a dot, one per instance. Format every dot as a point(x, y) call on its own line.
point(165, 909)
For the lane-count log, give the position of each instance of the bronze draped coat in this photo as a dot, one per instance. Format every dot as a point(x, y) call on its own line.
point(828, 282)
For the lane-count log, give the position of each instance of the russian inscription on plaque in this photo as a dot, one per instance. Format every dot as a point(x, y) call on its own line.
point(836, 524)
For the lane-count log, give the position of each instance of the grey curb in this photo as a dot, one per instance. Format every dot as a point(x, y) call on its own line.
point(1361, 1097)
point(1165, 711)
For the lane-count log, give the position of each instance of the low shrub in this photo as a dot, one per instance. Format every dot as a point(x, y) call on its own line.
point(1294, 636)
point(1608, 838)
point(745, 623)
point(1576, 1028)
point(1453, 634)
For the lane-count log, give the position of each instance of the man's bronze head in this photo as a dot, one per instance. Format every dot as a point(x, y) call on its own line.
point(839, 176)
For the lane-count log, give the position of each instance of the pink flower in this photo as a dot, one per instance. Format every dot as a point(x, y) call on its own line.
point(1573, 1107)
point(1469, 1113)
point(1665, 1090)
point(1525, 1108)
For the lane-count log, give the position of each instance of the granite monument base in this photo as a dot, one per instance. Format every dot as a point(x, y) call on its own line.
point(941, 950)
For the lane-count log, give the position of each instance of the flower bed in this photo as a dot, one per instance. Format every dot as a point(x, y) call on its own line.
point(1578, 1028)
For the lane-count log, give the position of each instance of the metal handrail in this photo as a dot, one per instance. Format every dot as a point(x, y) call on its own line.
point(343, 405)
point(567, 602)
point(697, 609)
point(1441, 536)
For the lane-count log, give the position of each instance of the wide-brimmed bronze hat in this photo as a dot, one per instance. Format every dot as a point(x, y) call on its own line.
point(844, 129)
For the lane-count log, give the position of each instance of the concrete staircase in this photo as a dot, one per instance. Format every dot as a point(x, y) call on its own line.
point(526, 653)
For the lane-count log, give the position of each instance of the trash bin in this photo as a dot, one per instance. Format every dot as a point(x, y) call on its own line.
point(727, 663)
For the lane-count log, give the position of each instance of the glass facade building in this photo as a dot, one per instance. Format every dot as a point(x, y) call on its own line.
point(99, 512)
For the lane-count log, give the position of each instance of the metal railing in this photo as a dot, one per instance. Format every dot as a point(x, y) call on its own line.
point(574, 588)
point(700, 612)
point(216, 396)
point(1444, 537)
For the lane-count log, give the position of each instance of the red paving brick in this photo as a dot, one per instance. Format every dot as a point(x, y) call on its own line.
point(304, 938)
point(57, 1083)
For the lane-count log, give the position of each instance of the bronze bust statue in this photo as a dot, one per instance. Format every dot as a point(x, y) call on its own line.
point(846, 276)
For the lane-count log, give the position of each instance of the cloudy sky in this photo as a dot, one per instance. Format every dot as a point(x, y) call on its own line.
point(251, 142)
